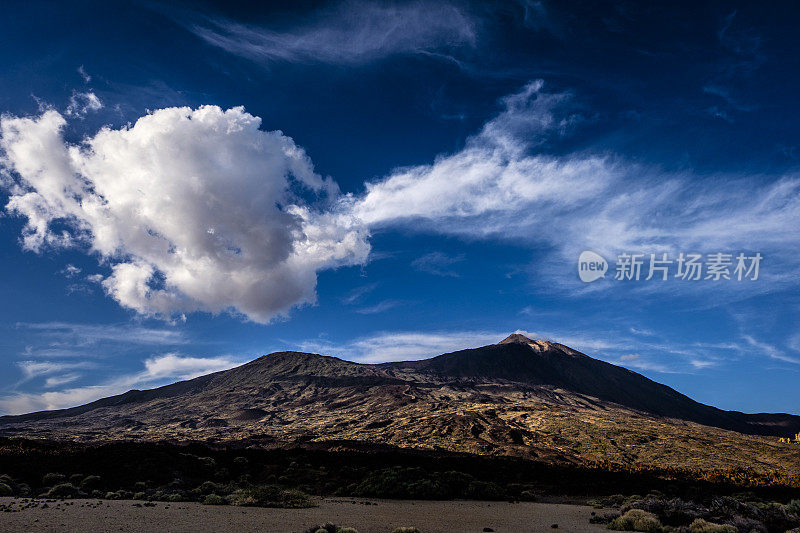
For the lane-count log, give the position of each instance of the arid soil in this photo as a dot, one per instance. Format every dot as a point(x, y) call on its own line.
point(367, 516)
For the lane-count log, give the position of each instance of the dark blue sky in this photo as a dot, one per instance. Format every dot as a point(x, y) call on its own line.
point(471, 151)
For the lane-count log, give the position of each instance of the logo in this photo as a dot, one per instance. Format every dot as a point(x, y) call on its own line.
point(591, 266)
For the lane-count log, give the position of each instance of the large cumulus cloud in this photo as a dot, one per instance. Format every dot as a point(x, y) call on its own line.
point(193, 209)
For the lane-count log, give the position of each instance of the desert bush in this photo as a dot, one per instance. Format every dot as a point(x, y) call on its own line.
point(90, 483)
point(214, 499)
point(701, 526)
point(405, 530)
point(482, 490)
point(53, 478)
point(97, 494)
point(64, 490)
point(6, 490)
point(176, 498)
point(417, 483)
point(207, 487)
point(527, 496)
point(272, 496)
point(793, 507)
point(775, 517)
point(240, 461)
point(636, 520)
point(140, 495)
point(76, 479)
point(207, 462)
point(331, 528)
point(23, 489)
point(673, 511)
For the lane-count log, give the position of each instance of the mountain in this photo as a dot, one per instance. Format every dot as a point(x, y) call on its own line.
point(522, 397)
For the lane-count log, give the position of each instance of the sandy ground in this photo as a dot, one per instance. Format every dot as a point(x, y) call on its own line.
point(367, 516)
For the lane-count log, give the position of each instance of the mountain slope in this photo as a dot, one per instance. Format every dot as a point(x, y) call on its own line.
point(520, 397)
point(520, 359)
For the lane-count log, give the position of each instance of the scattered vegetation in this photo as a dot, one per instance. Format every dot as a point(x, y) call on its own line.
point(744, 512)
point(636, 520)
point(271, 496)
point(215, 499)
point(331, 528)
point(52, 479)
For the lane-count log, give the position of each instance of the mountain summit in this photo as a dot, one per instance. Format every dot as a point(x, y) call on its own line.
point(520, 397)
point(516, 337)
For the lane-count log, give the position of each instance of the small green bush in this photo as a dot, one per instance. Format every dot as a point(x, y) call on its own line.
point(207, 487)
point(52, 479)
point(90, 483)
point(793, 507)
point(5, 490)
point(214, 499)
point(140, 495)
point(482, 490)
point(76, 479)
point(405, 530)
point(636, 520)
point(331, 528)
point(176, 498)
point(272, 496)
point(64, 490)
point(701, 526)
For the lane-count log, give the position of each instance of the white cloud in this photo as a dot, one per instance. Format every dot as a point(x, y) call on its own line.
point(194, 210)
point(86, 77)
point(504, 185)
point(83, 335)
point(437, 263)
point(82, 103)
point(158, 370)
point(380, 307)
point(402, 346)
point(770, 351)
point(199, 210)
point(33, 369)
point(351, 33)
point(70, 271)
point(57, 381)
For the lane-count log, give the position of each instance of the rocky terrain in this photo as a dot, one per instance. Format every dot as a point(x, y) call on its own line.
point(531, 399)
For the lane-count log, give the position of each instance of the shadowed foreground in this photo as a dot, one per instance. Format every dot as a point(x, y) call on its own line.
point(381, 516)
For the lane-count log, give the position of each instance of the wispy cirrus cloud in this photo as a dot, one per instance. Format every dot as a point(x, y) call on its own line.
point(33, 369)
point(82, 335)
point(158, 370)
point(349, 33)
point(379, 307)
point(401, 346)
point(438, 264)
point(770, 351)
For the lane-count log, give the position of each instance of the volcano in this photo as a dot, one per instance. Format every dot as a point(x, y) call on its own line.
point(521, 397)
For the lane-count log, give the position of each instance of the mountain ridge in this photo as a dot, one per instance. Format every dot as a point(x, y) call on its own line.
point(535, 399)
